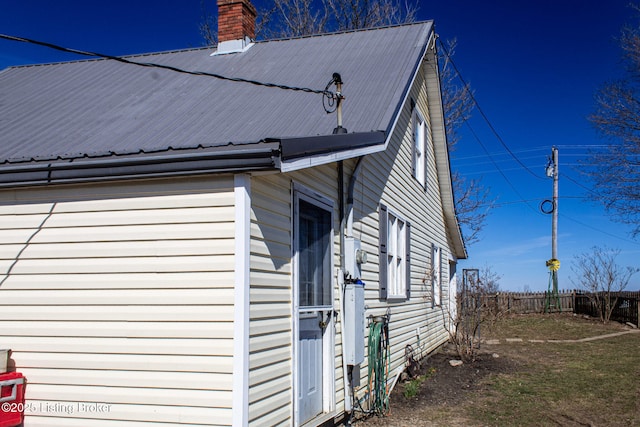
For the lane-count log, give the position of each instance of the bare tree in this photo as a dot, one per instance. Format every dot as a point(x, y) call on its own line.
point(616, 171)
point(208, 25)
point(473, 199)
point(473, 205)
point(464, 322)
point(602, 278)
point(292, 18)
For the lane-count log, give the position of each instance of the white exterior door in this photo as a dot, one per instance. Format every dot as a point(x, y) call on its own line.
point(313, 236)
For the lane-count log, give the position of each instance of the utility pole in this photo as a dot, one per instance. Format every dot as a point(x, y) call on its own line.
point(553, 299)
point(554, 222)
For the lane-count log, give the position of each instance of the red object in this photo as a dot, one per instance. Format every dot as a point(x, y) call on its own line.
point(11, 399)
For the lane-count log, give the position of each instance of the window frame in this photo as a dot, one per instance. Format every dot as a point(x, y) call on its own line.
point(419, 146)
point(436, 275)
point(394, 260)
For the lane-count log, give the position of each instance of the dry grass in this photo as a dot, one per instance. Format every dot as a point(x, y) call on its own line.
point(595, 383)
point(589, 383)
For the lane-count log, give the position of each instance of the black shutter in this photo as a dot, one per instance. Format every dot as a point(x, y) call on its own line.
point(382, 259)
point(408, 258)
point(440, 276)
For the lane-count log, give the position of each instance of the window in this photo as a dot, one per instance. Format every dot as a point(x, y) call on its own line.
point(314, 255)
point(394, 267)
point(420, 135)
point(436, 263)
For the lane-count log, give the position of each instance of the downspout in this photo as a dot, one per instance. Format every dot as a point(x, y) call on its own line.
point(346, 229)
point(345, 377)
point(350, 190)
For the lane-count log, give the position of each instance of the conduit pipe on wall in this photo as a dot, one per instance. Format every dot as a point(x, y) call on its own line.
point(346, 230)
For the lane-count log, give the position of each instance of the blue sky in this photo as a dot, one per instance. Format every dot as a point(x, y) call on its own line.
point(534, 67)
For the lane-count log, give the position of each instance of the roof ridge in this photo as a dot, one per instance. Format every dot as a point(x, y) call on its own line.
point(190, 49)
point(340, 32)
point(127, 56)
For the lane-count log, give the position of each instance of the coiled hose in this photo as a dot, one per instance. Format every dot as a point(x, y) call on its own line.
point(379, 358)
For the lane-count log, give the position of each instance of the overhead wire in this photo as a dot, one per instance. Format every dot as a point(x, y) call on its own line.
point(541, 148)
point(599, 230)
point(512, 154)
point(587, 225)
point(324, 92)
point(484, 116)
point(513, 187)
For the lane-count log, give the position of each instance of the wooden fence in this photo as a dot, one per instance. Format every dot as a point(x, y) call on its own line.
point(569, 301)
point(528, 302)
point(625, 309)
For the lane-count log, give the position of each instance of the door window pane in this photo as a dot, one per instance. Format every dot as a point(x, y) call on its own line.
point(314, 238)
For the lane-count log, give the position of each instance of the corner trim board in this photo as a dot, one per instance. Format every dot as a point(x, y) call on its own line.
point(240, 393)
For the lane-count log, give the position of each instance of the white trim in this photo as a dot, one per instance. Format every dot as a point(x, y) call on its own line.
point(322, 159)
point(240, 405)
point(407, 280)
point(420, 130)
point(328, 341)
point(233, 46)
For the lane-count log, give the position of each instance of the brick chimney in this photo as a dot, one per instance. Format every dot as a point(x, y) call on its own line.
point(236, 25)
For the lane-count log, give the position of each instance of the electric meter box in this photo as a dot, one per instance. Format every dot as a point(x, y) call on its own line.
point(354, 322)
point(354, 257)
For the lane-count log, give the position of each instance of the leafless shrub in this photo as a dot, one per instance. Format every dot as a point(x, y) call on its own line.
point(598, 274)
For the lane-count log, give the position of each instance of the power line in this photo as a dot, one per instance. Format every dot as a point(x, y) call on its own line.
point(463, 164)
point(484, 116)
point(541, 148)
point(515, 202)
point(600, 231)
point(579, 184)
point(324, 92)
point(498, 168)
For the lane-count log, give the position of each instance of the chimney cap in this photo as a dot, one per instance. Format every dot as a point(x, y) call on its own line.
point(244, 2)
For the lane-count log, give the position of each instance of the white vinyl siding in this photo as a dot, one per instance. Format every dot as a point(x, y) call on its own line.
point(387, 179)
point(271, 335)
point(121, 295)
point(270, 365)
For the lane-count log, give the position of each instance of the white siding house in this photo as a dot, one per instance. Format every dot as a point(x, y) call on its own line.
point(181, 270)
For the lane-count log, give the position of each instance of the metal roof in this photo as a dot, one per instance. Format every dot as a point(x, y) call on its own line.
point(104, 108)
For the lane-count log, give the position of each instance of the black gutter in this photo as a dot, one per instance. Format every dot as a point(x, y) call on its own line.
point(262, 156)
point(239, 158)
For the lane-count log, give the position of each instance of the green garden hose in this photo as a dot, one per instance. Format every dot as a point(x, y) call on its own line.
point(379, 358)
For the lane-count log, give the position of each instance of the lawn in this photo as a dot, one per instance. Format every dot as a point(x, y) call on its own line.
point(524, 383)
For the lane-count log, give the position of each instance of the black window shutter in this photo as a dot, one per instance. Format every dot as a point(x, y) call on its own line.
point(382, 259)
point(408, 258)
point(440, 275)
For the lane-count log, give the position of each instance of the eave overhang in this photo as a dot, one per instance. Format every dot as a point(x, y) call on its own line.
point(271, 154)
point(227, 159)
point(301, 153)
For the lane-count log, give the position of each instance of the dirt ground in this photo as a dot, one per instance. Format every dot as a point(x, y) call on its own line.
point(438, 396)
point(447, 388)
